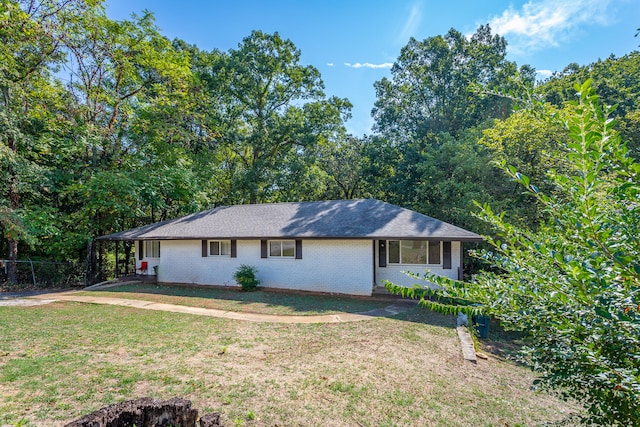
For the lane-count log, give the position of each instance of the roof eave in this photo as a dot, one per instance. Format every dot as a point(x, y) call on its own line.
point(440, 238)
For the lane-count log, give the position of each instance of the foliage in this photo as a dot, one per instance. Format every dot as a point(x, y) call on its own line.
point(269, 106)
point(434, 299)
point(434, 85)
point(530, 144)
point(343, 161)
point(429, 117)
point(615, 80)
point(29, 47)
point(437, 175)
point(245, 275)
point(574, 284)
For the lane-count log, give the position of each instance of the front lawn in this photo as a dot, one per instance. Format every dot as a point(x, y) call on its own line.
point(63, 360)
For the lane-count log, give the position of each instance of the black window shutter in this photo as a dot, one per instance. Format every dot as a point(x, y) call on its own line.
point(140, 249)
point(298, 249)
point(234, 249)
point(382, 253)
point(263, 248)
point(205, 249)
point(446, 255)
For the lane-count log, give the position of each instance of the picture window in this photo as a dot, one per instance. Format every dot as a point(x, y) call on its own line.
point(414, 252)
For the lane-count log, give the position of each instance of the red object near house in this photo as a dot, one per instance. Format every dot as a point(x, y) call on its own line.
point(143, 266)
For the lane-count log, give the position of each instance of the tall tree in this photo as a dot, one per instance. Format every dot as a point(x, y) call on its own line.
point(117, 69)
point(438, 175)
point(270, 106)
point(615, 80)
point(434, 85)
point(429, 116)
point(530, 144)
point(29, 45)
point(343, 161)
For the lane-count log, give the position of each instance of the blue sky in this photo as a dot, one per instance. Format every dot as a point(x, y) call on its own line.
point(354, 43)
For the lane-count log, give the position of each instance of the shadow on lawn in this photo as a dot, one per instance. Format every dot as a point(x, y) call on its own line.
point(296, 302)
point(417, 314)
point(504, 344)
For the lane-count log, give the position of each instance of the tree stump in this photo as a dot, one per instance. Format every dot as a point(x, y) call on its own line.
point(147, 412)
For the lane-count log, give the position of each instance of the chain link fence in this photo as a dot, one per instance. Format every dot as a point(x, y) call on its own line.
point(44, 274)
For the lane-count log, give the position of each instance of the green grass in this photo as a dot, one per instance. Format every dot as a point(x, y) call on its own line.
point(262, 302)
point(63, 360)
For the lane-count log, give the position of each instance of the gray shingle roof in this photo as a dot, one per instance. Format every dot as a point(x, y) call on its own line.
point(335, 219)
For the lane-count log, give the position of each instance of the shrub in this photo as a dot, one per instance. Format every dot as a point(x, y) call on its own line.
point(245, 275)
point(572, 284)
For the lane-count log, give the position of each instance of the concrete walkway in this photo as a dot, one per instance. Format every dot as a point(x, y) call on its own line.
point(391, 310)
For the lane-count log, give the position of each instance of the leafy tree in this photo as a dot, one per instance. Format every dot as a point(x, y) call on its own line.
point(118, 70)
point(614, 78)
point(616, 82)
point(630, 132)
point(530, 144)
point(269, 105)
point(434, 85)
point(428, 119)
point(343, 161)
point(29, 45)
point(573, 285)
point(437, 175)
point(379, 165)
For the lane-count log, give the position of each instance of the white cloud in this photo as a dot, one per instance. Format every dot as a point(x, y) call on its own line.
point(544, 23)
point(544, 74)
point(330, 64)
point(369, 65)
point(411, 24)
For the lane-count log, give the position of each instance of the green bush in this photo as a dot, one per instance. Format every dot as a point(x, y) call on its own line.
point(245, 275)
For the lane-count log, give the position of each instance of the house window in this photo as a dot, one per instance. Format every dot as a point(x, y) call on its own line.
point(394, 251)
point(417, 252)
point(220, 248)
point(434, 252)
point(152, 248)
point(282, 248)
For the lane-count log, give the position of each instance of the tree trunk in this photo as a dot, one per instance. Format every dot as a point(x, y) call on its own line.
point(12, 270)
point(91, 263)
point(117, 260)
point(127, 257)
point(14, 203)
point(102, 268)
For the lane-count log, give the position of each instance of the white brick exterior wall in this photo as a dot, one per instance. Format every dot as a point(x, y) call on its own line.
point(394, 272)
point(335, 266)
point(339, 266)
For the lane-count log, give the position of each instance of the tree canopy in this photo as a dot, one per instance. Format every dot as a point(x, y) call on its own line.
point(436, 84)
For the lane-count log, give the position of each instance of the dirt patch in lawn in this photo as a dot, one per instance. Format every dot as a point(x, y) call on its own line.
point(20, 302)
